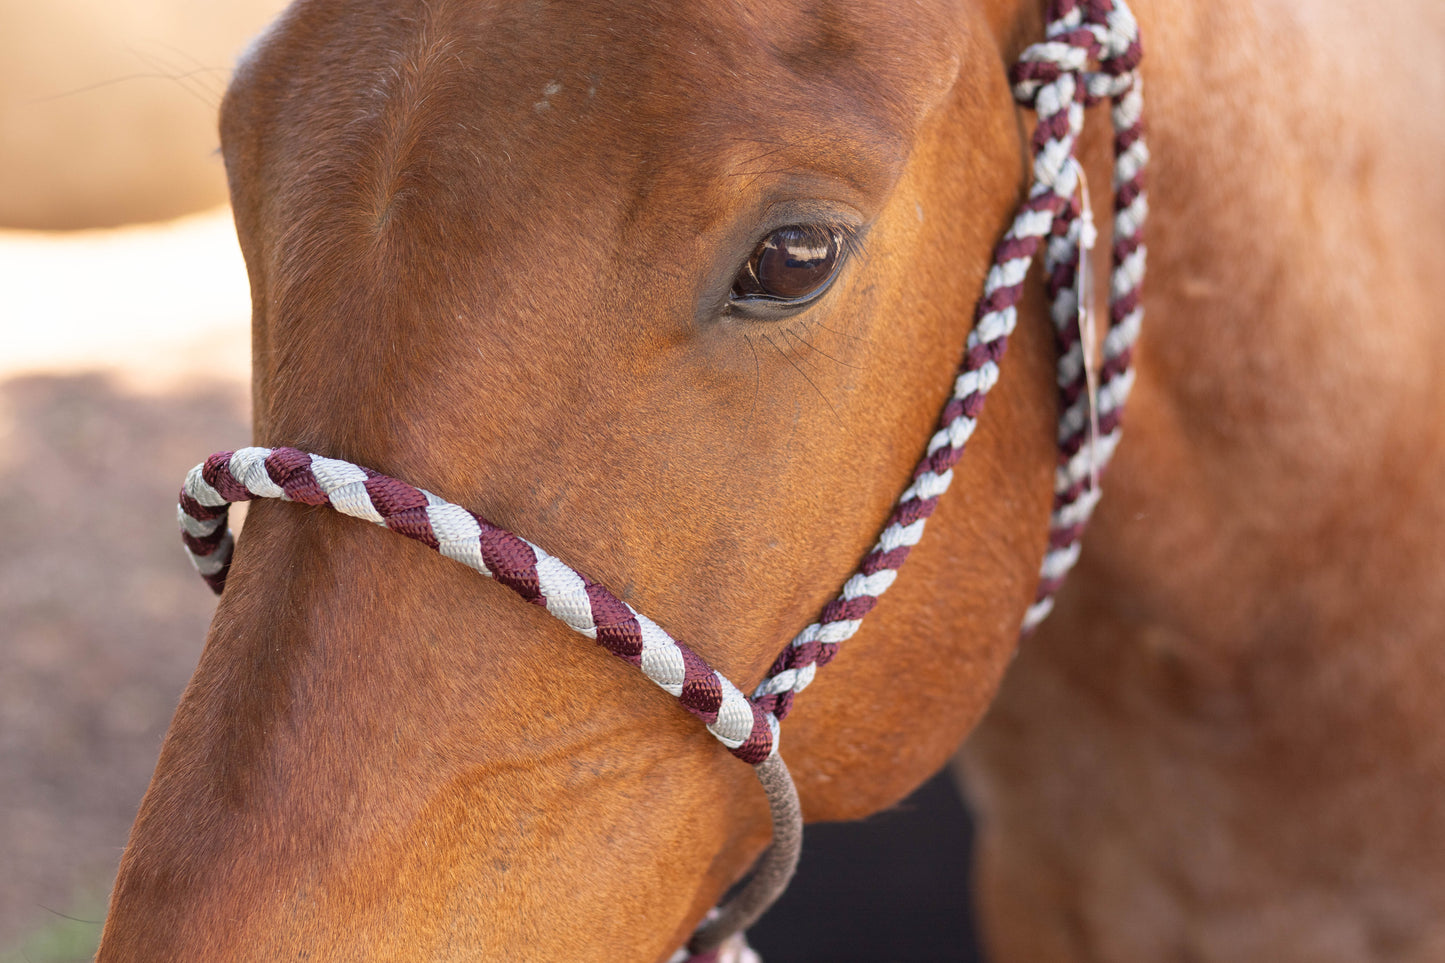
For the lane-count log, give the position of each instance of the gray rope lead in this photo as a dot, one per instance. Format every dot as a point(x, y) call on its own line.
point(774, 870)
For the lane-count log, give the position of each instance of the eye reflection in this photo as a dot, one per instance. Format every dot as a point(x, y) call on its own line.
point(791, 264)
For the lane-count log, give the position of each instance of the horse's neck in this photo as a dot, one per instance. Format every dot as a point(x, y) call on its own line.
point(1296, 215)
point(1242, 664)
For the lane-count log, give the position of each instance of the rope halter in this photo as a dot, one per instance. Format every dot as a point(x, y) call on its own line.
point(1055, 79)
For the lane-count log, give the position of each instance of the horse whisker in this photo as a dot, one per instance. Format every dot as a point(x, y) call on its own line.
point(805, 377)
point(840, 334)
point(814, 347)
point(757, 377)
point(184, 79)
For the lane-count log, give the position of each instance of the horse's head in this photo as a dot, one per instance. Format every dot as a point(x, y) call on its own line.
point(675, 291)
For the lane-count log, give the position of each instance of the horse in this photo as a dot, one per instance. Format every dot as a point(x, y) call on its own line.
point(498, 249)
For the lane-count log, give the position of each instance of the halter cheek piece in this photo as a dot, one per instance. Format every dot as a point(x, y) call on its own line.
point(1053, 78)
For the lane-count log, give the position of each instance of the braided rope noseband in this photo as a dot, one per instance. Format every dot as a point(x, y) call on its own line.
point(1054, 78)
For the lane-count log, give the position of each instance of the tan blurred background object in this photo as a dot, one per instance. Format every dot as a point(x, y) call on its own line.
point(124, 359)
point(108, 109)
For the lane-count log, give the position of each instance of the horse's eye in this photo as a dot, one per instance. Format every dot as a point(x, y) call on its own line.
point(791, 264)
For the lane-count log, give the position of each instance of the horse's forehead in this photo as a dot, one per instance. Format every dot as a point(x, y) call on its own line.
point(646, 71)
point(874, 47)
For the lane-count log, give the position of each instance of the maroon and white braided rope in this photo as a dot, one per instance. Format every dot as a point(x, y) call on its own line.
point(588, 608)
point(464, 536)
point(1111, 37)
point(1054, 78)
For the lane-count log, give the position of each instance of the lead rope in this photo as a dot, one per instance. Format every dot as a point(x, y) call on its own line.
point(1052, 77)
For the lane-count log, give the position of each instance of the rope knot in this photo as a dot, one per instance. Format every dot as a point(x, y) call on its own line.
point(1080, 32)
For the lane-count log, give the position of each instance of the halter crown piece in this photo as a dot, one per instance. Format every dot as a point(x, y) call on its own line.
point(1054, 78)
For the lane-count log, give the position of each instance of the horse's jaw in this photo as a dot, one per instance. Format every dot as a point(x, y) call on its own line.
point(287, 817)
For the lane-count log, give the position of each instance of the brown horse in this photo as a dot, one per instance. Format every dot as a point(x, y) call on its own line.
point(491, 248)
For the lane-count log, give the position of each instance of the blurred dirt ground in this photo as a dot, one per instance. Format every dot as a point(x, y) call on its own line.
point(123, 362)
